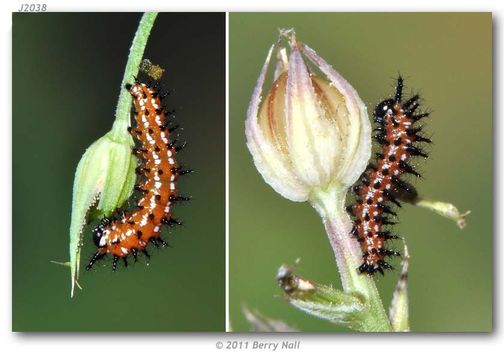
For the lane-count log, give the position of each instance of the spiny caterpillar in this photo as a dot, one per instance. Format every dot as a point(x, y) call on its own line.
point(158, 173)
point(397, 134)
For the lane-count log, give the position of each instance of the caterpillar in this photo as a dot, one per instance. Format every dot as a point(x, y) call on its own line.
point(380, 185)
point(158, 171)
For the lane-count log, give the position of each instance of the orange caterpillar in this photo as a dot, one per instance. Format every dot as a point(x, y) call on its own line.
point(134, 230)
point(397, 134)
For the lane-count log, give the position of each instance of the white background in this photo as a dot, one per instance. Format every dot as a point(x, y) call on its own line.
point(172, 346)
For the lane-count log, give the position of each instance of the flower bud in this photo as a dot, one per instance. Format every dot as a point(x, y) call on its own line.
point(103, 181)
point(311, 131)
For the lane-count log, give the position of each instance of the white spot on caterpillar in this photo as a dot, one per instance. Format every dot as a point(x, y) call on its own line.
point(153, 203)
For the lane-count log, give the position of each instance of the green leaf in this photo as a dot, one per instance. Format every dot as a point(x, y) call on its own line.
point(444, 209)
point(346, 309)
point(399, 308)
point(263, 323)
point(343, 309)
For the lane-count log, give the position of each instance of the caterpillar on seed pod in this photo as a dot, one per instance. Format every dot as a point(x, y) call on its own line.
point(157, 177)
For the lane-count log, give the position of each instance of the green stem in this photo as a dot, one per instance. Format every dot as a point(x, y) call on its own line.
point(122, 118)
point(330, 205)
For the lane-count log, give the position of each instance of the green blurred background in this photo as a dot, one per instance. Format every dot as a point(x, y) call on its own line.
point(67, 70)
point(448, 59)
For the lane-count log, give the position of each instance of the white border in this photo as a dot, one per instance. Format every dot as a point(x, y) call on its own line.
point(228, 325)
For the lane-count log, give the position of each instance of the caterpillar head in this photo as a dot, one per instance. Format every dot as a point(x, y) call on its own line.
point(98, 233)
point(383, 108)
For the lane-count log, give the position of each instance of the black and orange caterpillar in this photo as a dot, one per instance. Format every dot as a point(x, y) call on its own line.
point(134, 230)
point(398, 134)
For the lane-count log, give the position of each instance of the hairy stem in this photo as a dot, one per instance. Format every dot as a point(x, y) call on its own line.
point(122, 120)
point(330, 205)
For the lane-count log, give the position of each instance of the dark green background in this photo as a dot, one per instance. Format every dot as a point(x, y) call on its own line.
point(448, 59)
point(67, 70)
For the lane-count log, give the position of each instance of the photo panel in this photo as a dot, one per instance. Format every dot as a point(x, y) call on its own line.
point(118, 159)
point(301, 129)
